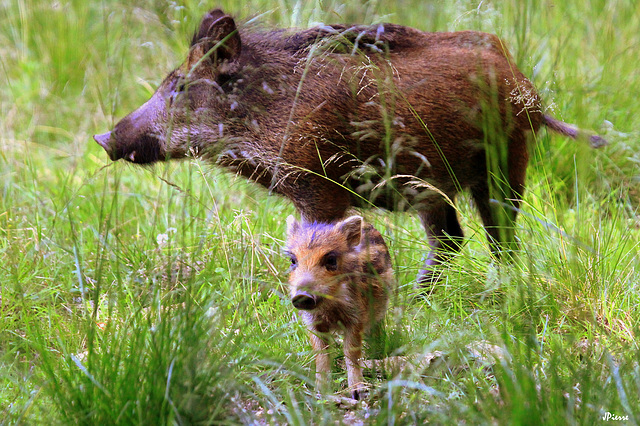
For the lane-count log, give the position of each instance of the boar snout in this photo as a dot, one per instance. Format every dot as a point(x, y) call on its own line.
point(138, 137)
point(143, 149)
point(104, 140)
point(305, 301)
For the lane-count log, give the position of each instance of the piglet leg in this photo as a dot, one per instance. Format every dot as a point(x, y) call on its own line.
point(352, 355)
point(323, 363)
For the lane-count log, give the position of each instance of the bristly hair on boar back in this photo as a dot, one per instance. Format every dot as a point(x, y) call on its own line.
point(340, 280)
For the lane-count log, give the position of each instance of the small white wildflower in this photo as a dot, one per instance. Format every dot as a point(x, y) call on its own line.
point(162, 239)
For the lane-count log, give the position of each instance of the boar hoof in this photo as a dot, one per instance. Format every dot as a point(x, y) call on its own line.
point(305, 301)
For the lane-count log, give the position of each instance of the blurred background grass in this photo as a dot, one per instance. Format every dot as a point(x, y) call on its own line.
point(157, 295)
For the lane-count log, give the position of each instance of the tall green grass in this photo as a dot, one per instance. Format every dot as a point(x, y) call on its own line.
point(158, 295)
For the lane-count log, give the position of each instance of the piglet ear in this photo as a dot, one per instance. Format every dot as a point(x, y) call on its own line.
point(218, 31)
point(293, 226)
point(351, 228)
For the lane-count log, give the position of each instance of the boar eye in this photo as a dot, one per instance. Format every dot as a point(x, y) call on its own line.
point(181, 87)
point(330, 261)
point(181, 84)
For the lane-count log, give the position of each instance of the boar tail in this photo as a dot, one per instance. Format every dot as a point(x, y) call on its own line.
point(573, 132)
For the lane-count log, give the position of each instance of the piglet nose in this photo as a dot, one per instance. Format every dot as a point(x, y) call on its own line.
point(305, 301)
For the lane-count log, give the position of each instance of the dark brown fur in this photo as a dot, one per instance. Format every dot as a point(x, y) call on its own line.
point(340, 279)
point(337, 116)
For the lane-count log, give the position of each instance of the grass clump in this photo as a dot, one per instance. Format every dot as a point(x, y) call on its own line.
point(161, 364)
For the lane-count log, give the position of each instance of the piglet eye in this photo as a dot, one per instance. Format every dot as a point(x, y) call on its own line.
point(331, 261)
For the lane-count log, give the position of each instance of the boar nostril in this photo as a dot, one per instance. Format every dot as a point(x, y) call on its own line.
point(104, 140)
point(305, 301)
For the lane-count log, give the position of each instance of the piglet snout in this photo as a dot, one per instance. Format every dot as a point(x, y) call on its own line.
point(304, 300)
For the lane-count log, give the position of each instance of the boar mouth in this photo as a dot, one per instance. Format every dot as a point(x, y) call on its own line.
point(149, 151)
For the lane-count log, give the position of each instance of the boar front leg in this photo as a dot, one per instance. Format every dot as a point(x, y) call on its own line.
point(444, 235)
point(352, 355)
point(323, 362)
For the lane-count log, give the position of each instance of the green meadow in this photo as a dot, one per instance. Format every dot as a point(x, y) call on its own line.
point(158, 295)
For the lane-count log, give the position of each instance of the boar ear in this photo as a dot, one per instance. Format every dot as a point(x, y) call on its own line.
point(293, 226)
point(352, 230)
point(217, 27)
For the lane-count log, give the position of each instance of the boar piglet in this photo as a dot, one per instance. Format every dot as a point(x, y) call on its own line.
point(340, 280)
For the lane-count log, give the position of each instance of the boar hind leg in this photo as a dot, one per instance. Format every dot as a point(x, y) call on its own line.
point(499, 207)
point(498, 218)
point(323, 362)
point(444, 236)
point(352, 355)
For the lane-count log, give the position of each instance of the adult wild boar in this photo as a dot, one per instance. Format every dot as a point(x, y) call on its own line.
point(339, 116)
